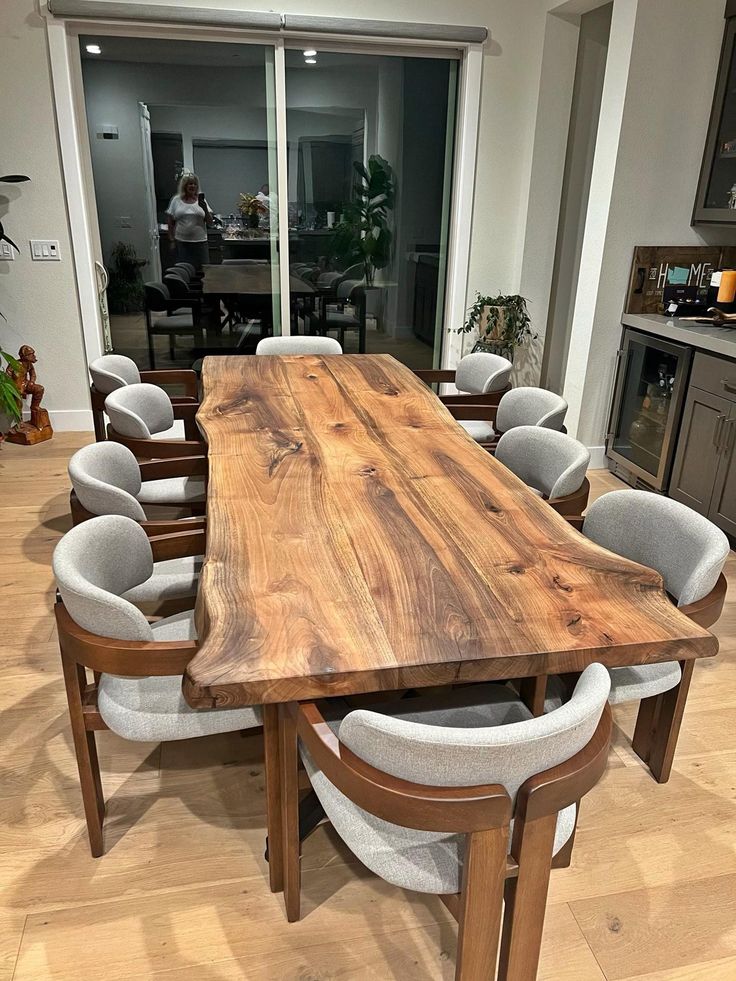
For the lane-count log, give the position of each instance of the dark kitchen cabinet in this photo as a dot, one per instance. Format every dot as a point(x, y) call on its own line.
point(716, 195)
point(704, 471)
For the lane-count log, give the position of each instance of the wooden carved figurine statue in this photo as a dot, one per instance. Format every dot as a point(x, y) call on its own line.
point(39, 427)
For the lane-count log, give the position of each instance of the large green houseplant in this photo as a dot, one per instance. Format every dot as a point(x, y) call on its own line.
point(364, 235)
point(125, 292)
point(502, 323)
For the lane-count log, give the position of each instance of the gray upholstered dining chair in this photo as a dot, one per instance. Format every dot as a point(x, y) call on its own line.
point(299, 344)
point(422, 791)
point(172, 317)
point(138, 665)
point(689, 552)
point(480, 378)
point(112, 371)
point(138, 413)
point(525, 406)
point(551, 463)
point(107, 479)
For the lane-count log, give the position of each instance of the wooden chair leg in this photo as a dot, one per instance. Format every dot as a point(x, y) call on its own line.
point(481, 902)
point(151, 352)
point(533, 692)
point(272, 755)
point(667, 726)
point(646, 722)
point(526, 900)
point(290, 813)
point(75, 679)
point(98, 421)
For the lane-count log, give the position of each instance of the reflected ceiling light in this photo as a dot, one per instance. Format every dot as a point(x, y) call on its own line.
point(310, 61)
point(311, 53)
point(93, 49)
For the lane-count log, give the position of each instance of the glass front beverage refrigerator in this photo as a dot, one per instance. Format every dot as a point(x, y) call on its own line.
point(647, 406)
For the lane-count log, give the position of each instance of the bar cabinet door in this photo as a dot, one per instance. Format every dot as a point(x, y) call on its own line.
point(698, 449)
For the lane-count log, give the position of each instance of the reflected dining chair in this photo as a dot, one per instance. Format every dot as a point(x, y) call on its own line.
point(551, 463)
point(172, 317)
point(140, 413)
point(426, 792)
point(113, 371)
point(107, 479)
point(480, 378)
point(333, 315)
point(137, 665)
point(298, 344)
point(525, 406)
point(689, 552)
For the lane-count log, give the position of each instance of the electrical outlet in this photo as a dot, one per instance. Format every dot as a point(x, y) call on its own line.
point(6, 252)
point(44, 250)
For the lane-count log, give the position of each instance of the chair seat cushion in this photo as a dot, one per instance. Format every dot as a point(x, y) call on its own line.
point(424, 861)
point(154, 709)
point(173, 490)
point(176, 431)
point(171, 579)
point(338, 319)
point(481, 431)
point(643, 681)
point(177, 322)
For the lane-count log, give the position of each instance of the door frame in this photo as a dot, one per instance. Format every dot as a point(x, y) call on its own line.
point(68, 94)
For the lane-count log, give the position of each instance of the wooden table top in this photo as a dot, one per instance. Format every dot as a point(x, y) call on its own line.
point(358, 540)
point(253, 279)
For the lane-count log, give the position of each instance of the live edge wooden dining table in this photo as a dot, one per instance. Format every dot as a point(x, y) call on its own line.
point(358, 540)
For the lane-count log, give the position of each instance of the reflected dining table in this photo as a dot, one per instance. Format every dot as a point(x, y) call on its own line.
point(358, 540)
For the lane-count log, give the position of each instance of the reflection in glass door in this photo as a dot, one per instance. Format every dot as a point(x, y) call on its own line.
point(370, 149)
point(183, 152)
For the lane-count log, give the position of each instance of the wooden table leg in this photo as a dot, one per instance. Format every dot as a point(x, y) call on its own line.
point(272, 754)
point(664, 727)
point(533, 692)
point(290, 811)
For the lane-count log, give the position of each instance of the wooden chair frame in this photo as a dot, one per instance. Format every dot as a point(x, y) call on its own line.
point(185, 378)
point(447, 376)
point(188, 466)
point(482, 813)
point(82, 650)
point(164, 449)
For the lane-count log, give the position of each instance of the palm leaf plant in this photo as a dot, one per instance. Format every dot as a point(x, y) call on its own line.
point(364, 234)
point(10, 401)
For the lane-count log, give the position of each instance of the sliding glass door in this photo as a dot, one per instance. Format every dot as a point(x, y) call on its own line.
point(190, 142)
point(370, 149)
point(182, 138)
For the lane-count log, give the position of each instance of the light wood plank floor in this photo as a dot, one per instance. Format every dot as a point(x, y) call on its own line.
point(181, 892)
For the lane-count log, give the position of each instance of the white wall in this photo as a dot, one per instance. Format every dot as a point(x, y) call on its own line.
point(669, 88)
point(38, 299)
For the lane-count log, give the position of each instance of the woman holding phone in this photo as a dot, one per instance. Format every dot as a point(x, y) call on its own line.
point(188, 217)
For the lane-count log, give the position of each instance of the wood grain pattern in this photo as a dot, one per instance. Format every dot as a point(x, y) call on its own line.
point(359, 540)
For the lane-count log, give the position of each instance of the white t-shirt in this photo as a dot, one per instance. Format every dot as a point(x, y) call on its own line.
point(190, 220)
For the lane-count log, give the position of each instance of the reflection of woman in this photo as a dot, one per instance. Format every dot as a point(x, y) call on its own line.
point(188, 216)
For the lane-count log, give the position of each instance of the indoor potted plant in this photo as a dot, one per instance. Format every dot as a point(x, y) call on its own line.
point(251, 208)
point(10, 402)
point(500, 323)
point(125, 291)
point(364, 236)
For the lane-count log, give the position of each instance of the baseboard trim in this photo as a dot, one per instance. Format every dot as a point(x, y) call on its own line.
point(72, 420)
point(598, 459)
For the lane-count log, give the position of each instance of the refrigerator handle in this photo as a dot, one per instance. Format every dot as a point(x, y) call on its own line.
point(612, 394)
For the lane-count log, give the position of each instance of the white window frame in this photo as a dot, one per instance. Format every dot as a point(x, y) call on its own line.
point(66, 77)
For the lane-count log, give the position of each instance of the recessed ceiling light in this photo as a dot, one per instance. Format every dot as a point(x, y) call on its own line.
point(311, 53)
point(310, 61)
point(93, 49)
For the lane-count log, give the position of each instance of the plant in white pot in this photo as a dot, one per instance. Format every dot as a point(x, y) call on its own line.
point(500, 323)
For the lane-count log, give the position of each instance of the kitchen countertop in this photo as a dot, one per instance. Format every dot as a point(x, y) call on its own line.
point(718, 340)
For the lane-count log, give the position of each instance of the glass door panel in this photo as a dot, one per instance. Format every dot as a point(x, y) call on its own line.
point(183, 149)
point(370, 148)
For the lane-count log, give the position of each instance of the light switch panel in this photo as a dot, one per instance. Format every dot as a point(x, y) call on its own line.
point(44, 250)
point(6, 252)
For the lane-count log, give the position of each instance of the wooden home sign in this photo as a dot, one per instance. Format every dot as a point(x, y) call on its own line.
point(655, 266)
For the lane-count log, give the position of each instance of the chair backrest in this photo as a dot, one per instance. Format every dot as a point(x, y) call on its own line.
point(156, 295)
point(113, 371)
point(139, 411)
point(176, 284)
point(423, 750)
point(298, 345)
point(552, 462)
point(186, 266)
point(530, 407)
point(480, 373)
point(348, 289)
point(355, 272)
point(685, 548)
point(94, 564)
point(106, 478)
